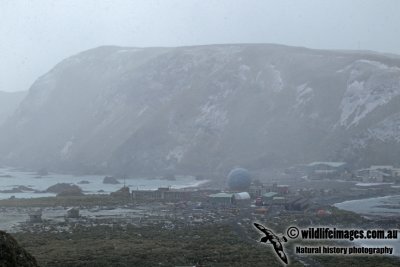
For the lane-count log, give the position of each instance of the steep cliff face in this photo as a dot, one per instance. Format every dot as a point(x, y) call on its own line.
point(11, 254)
point(9, 102)
point(207, 109)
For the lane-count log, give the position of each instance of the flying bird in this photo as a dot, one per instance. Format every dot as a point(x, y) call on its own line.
point(274, 240)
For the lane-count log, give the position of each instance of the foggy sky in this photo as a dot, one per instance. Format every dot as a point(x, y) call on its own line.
point(37, 34)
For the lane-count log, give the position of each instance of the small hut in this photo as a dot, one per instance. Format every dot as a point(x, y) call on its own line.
point(221, 199)
point(73, 213)
point(242, 199)
point(35, 216)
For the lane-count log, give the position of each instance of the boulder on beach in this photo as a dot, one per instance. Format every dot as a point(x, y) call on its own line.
point(71, 192)
point(123, 192)
point(64, 189)
point(25, 188)
point(110, 180)
point(18, 189)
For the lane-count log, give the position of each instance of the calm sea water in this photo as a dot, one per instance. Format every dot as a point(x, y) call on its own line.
point(95, 183)
point(376, 206)
point(379, 206)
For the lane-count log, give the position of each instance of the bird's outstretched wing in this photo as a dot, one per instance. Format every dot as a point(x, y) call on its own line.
point(275, 241)
point(279, 250)
point(261, 227)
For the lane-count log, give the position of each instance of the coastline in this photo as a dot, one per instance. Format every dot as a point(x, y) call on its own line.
point(380, 207)
point(93, 184)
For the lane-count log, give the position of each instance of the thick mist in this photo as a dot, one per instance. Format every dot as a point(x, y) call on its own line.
point(38, 34)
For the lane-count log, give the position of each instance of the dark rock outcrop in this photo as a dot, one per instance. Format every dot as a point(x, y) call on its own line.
point(18, 189)
point(121, 193)
point(110, 180)
point(64, 189)
point(71, 192)
point(12, 255)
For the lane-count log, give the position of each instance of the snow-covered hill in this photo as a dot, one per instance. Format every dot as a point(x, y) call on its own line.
point(206, 109)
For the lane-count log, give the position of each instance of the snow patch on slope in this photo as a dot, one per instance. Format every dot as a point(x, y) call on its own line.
point(66, 150)
point(387, 130)
point(244, 72)
point(140, 113)
point(370, 85)
point(304, 95)
point(211, 117)
point(176, 154)
point(277, 79)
